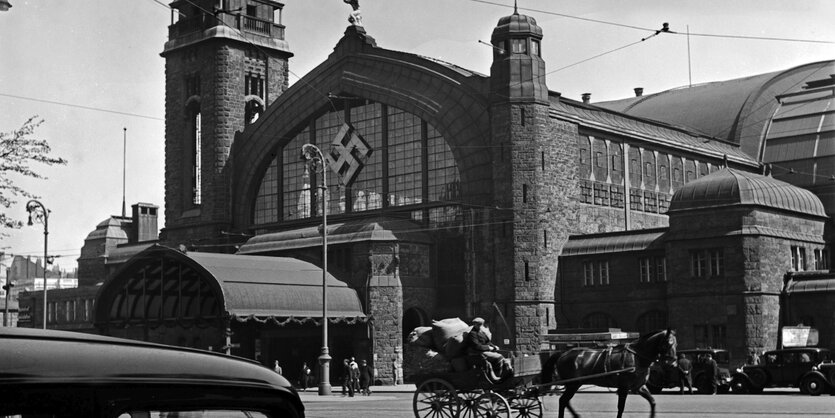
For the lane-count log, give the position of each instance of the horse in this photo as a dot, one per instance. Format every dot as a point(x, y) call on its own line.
point(603, 364)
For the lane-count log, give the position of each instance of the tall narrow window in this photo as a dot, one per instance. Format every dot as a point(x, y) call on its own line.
point(196, 165)
point(588, 273)
point(821, 259)
point(603, 271)
point(717, 263)
point(798, 258)
point(661, 269)
point(645, 270)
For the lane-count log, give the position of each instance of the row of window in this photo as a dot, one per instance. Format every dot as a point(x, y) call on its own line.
point(707, 263)
point(604, 194)
point(650, 269)
point(70, 311)
point(799, 262)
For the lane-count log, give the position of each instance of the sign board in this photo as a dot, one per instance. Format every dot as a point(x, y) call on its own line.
point(800, 336)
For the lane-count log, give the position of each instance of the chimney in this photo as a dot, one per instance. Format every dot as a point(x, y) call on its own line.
point(586, 97)
point(144, 223)
point(639, 91)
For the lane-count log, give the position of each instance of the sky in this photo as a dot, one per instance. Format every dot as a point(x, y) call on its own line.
point(91, 68)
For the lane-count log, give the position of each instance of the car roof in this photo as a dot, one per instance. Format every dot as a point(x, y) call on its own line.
point(799, 349)
point(702, 350)
point(32, 356)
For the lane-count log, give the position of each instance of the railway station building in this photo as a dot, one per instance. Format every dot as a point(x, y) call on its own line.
point(453, 193)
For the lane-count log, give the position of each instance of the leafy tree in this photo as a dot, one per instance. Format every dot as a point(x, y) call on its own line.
point(18, 150)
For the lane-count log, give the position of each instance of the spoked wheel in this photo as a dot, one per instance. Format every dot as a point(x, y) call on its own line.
point(525, 407)
point(435, 398)
point(468, 404)
point(491, 405)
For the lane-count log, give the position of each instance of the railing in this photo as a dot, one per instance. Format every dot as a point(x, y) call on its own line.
point(247, 24)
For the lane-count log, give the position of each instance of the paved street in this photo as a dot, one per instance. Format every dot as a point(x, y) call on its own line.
point(594, 403)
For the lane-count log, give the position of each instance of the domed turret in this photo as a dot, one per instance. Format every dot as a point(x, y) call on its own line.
point(728, 187)
point(518, 71)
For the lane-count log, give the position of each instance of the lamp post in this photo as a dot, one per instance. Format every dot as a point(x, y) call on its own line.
point(39, 213)
point(8, 288)
point(312, 154)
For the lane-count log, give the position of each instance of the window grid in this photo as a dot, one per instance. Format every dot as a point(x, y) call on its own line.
point(266, 204)
point(406, 172)
point(366, 190)
point(444, 180)
point(405, 164)
point(297, 187)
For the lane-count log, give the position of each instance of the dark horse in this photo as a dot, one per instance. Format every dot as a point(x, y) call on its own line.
point(573, 366)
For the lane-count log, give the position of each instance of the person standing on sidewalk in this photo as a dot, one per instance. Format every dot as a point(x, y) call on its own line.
point(685, 369)
point(365, 378)
point(304, 377)
point(346, 377)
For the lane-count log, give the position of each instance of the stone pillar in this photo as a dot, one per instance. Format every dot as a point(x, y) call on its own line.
point(385, 305)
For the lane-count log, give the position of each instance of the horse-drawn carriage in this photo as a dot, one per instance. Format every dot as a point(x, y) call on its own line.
point(475, 391)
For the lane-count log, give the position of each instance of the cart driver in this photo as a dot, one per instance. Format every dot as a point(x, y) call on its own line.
point(478, 343)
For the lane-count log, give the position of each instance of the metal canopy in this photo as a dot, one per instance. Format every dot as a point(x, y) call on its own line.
point(162, 284)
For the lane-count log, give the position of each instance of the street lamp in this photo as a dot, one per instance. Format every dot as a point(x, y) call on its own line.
point(4, 5)
point(40, 214)
point(312, 155)
point(8, 288)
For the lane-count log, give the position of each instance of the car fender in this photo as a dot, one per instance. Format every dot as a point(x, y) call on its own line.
point(815, 373)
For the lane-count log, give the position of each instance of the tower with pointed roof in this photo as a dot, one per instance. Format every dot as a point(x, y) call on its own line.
point(225, 62)
point(531, 171)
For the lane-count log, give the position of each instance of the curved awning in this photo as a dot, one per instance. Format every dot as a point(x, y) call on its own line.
point(260, 286)
point(162, 284)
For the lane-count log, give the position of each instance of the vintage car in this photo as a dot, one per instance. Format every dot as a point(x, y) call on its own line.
point(807, 368)
point(67, 374)
point(661, 378)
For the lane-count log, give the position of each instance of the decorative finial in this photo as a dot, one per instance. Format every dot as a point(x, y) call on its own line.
point(355, 18)
point(515, 9)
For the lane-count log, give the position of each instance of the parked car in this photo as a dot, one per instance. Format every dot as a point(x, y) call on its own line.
point(661, 377)
point(66, 374)
point(807, 368)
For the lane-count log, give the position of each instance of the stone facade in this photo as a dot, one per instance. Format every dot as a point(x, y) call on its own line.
point(724, 277)
point(214, 74)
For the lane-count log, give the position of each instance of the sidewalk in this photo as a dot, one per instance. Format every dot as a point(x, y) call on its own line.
point(377, 393)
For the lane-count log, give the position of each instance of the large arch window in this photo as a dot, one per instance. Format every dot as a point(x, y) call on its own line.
point(409, 163)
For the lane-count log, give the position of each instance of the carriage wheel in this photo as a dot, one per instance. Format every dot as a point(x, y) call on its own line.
point(491, 405)
point(435, 398)
point(526, 407)
point(468, 404)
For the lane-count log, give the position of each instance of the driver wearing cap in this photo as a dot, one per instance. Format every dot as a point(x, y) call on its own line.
point(478, 343)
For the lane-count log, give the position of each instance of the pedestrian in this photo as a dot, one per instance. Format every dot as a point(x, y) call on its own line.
point(711, 373)
point(305, 376)
point(346, 376)
point(685, 369)
point(366, 377)
point(355, 376)
point(278, 368)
